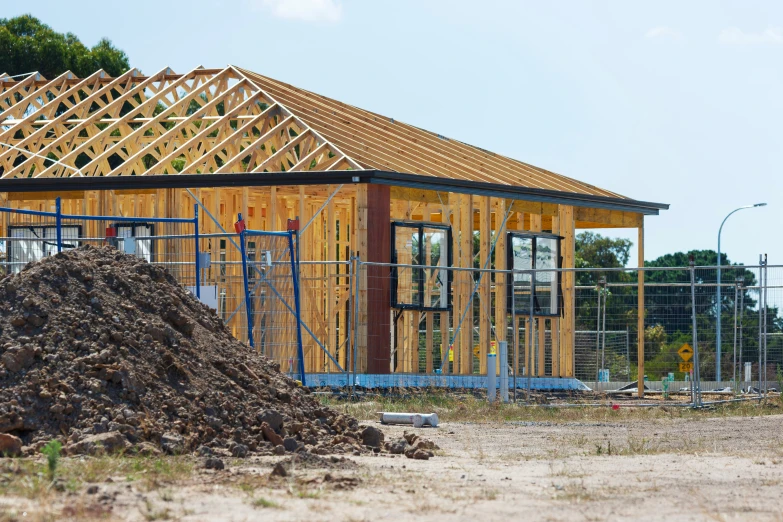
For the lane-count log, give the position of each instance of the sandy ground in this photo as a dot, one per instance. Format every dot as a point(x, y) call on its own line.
point(673, 469)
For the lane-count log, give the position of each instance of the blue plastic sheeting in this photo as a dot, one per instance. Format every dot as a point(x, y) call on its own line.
point(408, 380)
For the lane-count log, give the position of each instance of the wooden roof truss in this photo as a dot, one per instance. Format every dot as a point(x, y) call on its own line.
point(206, 121)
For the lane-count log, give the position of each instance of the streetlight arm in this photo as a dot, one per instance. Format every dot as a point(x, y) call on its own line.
point(718, 292)
point(720, 230)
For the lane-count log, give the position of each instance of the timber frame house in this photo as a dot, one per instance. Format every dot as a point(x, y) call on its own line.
point(237, 141)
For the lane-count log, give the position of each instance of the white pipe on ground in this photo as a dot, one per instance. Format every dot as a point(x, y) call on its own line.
point(492, 368)
point(503, 358)
point(417, 419)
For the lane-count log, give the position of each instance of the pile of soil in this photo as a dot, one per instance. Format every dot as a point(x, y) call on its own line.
point(106, 352)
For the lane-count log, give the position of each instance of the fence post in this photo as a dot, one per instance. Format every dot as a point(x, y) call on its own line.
point(295, 275)
point(357, 268)
point(762, 318)
point(531, 337)
point(240, 226)
point(515, 339)
point(696, 383)
point(492, 368)
point(58, 219)
point(349, 334)
point(766, 315)
point(503, 358)
point(198, 261)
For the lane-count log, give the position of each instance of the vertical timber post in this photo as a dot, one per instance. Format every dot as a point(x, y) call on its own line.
point(501, 305)
point(484, 293)
point(568, 322)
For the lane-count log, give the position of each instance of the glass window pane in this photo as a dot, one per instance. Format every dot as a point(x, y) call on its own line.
point(406, 248)
point(521, 259)
point(435, 252)
point(546, 282)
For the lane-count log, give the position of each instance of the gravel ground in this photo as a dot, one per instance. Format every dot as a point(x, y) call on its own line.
point(711, 468)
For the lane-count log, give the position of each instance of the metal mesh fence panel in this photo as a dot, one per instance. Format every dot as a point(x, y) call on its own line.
point(605, 308)
point(272, 298)
point(326, 316)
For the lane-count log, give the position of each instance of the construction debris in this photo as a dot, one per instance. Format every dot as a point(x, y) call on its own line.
point(417, 419)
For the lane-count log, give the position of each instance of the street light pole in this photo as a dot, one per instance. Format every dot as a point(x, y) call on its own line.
point(717, 339)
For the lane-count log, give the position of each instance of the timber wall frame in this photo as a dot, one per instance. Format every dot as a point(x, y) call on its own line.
point(356, 218)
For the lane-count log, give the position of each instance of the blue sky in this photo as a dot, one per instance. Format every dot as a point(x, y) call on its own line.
point(674, 102)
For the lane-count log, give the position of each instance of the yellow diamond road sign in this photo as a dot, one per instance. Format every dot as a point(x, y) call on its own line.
point(686, 352)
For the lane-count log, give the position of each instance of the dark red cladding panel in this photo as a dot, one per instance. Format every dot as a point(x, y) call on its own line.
point(379, 282)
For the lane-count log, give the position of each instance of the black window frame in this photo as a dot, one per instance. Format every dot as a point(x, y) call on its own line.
point(420, 226)
point(510, 301)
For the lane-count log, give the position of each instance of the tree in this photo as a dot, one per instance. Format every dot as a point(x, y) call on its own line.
point(27, 45)
point(595, 250)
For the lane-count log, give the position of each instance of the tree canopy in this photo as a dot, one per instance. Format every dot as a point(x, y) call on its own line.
point(27, 45)
point(594, 250)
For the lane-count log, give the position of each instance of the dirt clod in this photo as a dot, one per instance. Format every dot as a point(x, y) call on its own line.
point(214, 463)
point(10, 445)
point(372, 437)
point(112, 442)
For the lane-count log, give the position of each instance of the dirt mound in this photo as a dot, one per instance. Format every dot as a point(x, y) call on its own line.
point(109, 353)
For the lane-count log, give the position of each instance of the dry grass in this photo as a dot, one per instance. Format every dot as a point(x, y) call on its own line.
point(452, 407)
point(27, 479)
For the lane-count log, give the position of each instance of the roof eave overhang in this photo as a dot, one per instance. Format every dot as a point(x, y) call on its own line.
point(328, 178)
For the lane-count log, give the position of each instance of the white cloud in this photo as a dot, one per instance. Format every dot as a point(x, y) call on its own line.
point(305, 10)
point(663, 32)
point(736, 36)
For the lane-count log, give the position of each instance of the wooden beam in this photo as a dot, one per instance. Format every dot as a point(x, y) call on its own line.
point(485, 305)
point(330, 273)
point(600, 218)
point(501, 314)
point(466, 258)
point(554, 323)
point(419, 195)
point(42, 196)
point(568, 320)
